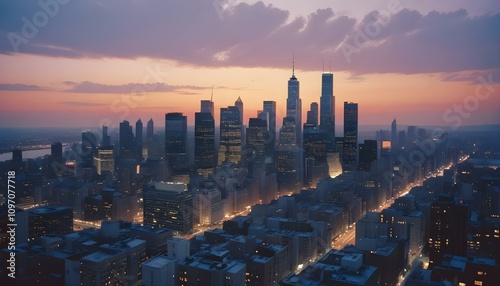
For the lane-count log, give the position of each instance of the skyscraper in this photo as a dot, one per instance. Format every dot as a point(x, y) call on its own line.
point(350, 155)
point(127, 141)
point(89, 148)
point(204, 143)
point(138, 140)
point(239, 104)
point(256, 138)
point(176, 141)
point(315, 155)
point(327, 110)
point(207, 106)
point(270, 107)
point(230, 135)
point(106, 140)
point(394, 135)
point(149, 138)
point(294, 105)
point(367, 154)
point(312, 114)
point(105, 160)
point(56, 152)
point(288, 158)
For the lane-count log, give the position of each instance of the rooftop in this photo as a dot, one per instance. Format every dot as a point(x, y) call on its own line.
point(158, 262)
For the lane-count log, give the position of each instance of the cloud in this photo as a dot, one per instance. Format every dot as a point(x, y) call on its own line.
point(19, 87)
point(488, 77)
point(258, 35)
point(80, 103)
point(92, 87)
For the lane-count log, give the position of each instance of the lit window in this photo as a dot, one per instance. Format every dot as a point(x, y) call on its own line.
point(477, 282)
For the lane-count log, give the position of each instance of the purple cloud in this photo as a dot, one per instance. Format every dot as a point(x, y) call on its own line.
point(258, 35)
point(19, 87)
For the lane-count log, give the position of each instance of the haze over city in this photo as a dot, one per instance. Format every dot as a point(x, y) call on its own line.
point(87, 61)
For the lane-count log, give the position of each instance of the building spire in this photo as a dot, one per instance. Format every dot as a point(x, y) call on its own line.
point(293, 64)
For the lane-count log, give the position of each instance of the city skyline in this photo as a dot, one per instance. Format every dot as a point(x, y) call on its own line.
point(54, 79)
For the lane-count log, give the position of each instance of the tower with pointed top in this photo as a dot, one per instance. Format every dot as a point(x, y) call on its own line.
point(294, 104)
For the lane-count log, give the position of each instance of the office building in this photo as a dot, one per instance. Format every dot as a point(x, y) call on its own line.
point(230, 135)
point(49, 220)
point(105, 160)
point(367, 154)
point(350, 154)
point(327, 110)
point(288, 158)
point(127, 141)
point(176, 142)
point(138, 140)
point(447, 229)
point(294, 106)
point(168, 205)
point(89, 149)
point(204, 143)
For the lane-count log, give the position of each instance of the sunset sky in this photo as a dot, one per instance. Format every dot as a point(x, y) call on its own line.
point(87, 63)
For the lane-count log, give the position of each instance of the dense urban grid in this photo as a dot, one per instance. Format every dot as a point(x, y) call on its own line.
point(271, 201)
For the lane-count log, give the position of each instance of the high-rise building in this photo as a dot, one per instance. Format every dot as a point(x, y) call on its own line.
point(327, 110)
point(312, 114)
point(207, 106)
point(294, 105)
point(204, 143)
point(127, 141)
point(168, 205)
point(367, 154)
point(49, 220)
point(89, 148)
point(176, 142)
point(230, 135)
point(149, 138)
point(350, 154)
point(138, 140)
point(315, 155)
point(394, 134)
point(270, 108)
point(256, 143)
point(288, 158)
point(207, 204)
point(56, 152)
point(239, 104)
point(447, 230)
point(106, 140)
point(105, 160)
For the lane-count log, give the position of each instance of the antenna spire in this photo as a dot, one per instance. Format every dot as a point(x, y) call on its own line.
point(212, 96)
point(293, 63)
point(323, 66)
point(330, 66)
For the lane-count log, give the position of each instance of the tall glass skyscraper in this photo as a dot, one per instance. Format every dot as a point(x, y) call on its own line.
point(350, 154)
point(230, 135)
point(176, 141)
point(294, 106)
point(138, 140)
point(204, 139)
point(327, 110)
